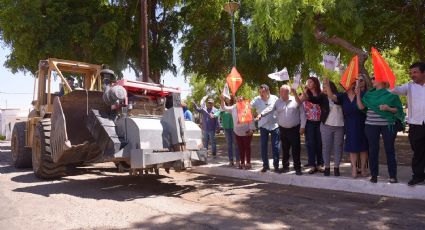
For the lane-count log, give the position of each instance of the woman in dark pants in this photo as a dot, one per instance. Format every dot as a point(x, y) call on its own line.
point(354, 122)
point(312, 129)
point(383, 108)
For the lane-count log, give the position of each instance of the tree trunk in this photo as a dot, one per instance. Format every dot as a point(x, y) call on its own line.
point(321, 37)
point(156, 76)
point(419, 27)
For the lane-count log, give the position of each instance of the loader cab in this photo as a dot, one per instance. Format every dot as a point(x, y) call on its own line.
point(86, 76)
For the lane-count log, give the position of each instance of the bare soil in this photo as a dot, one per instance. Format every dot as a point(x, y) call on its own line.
point(98, 197)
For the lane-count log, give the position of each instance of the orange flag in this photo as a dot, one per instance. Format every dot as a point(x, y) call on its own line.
point(234, 80)
point(351, 73)
point(244, 111)
point(382, 70)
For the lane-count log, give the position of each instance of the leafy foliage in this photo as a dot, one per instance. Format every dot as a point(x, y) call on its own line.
point(94, 31)
point(270, 35)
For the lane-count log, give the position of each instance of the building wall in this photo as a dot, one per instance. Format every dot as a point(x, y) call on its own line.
point(8, 118)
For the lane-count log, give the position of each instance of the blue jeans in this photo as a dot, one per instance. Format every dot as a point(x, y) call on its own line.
point(231, 141)
point(264, 137)
point(313, 142)
point(373, 133)
point(210, 135)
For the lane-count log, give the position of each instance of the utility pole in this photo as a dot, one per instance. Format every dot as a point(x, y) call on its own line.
point(144, 36)
point(231, 8)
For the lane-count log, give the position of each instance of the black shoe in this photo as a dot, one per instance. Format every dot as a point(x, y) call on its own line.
point(327, 172)
point(336, 172)
point(393, 180)
point(374, 179)
point(414, 181)
point(285, 170)
point(312, 170)
point(298, 172)
point(264, 169)
point(276, 170)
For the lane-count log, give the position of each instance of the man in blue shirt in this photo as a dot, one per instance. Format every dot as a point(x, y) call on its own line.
point(268, 126)
point(186, 112)
point(209, 124)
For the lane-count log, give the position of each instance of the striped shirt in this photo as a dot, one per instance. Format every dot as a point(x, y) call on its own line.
point(373, 118)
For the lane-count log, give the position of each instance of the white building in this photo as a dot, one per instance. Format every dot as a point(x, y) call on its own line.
point(8, 118)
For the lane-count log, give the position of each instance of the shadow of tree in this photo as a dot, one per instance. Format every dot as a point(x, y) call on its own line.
point(273, 208)
point(71, 171)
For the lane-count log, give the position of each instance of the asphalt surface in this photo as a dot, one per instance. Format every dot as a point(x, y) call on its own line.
point(98, 197)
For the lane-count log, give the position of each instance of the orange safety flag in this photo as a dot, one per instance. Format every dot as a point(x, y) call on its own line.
point(351, 73)
point(382, 70)
point(244, 111)
point(234, 80)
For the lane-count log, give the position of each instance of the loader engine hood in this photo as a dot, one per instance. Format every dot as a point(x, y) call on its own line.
point(159, 133)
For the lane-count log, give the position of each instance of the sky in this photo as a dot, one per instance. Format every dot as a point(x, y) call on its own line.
point(16, 90)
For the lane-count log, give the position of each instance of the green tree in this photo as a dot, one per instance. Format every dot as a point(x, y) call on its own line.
point(401, 25)
point(270, 35)
point(96, 31)
point(207, 47)
point(350, 27)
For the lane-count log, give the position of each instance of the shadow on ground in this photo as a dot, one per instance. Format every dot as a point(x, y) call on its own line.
point(231, 203)
point(267, 206)
point(118, 188)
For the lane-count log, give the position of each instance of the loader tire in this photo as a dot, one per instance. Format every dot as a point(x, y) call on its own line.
point(21, 155)
point(42, 161)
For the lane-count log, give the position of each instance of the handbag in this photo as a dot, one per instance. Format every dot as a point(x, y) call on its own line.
point(399, 126)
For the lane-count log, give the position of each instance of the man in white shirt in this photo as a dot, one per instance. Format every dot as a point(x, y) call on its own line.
point(415, 92)
point(291, 120)
point(268, 125)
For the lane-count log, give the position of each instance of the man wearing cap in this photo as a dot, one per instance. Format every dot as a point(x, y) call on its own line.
point(63, 89)
point(209, 124)
point(268, 125)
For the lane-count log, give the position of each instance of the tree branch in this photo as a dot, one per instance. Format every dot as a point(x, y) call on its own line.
point(135, 69)
point(323, 38)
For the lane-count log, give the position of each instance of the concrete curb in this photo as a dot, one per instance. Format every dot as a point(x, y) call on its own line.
point(361, 185)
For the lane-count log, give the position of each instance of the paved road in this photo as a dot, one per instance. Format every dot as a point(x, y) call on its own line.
point(97, 197)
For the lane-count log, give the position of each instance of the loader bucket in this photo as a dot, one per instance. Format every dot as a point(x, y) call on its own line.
point(71, 141)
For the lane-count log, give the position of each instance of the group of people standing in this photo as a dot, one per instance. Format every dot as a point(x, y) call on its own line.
point(332, 122)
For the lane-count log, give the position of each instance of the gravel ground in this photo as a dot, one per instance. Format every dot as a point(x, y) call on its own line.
point(97, 197)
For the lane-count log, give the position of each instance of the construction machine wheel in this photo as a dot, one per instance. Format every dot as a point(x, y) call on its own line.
point(21, 155)
point(42, 161)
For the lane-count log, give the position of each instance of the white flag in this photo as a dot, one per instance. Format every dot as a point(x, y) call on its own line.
point(338, 63)
point(297, 81)
point(226, 91)
point(329, 62)
point(280, 76)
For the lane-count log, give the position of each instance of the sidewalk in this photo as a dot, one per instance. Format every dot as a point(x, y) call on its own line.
point(219, 167)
